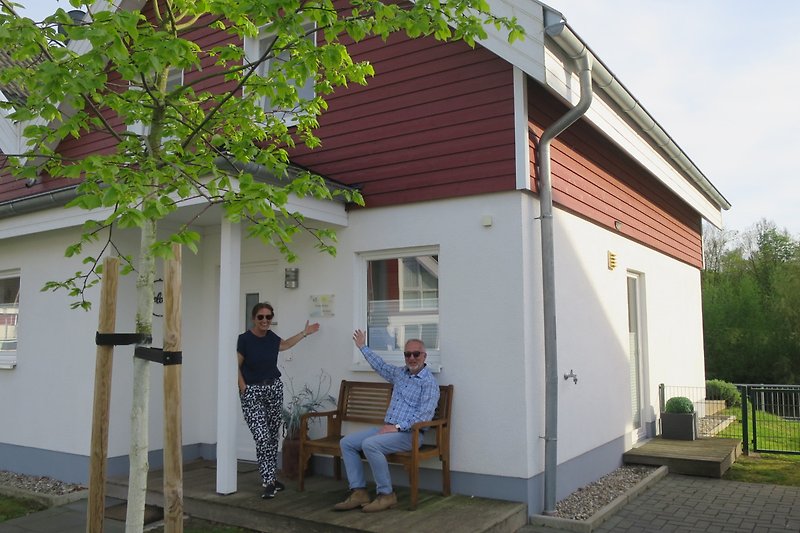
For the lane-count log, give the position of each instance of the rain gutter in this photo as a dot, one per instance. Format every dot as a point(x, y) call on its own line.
point(61, 197)
point(554, 26)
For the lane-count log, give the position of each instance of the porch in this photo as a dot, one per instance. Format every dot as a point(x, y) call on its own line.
point(310, 510)
point(708, 457)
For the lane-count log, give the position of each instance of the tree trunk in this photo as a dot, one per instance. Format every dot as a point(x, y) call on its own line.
point(137, 477)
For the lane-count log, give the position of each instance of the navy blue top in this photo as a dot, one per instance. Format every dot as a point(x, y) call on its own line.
point(260, 356)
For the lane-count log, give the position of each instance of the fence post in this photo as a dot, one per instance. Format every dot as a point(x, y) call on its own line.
point(745, 433)
point(661, 401)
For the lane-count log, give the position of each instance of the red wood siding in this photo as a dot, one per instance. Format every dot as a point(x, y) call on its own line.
point(436, 121)
point(596, 180)
point(103, 142)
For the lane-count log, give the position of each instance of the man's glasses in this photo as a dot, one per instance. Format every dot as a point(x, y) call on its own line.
point(413, 354)
point(265, 317)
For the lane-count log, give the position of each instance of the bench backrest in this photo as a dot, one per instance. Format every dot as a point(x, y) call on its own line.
point(363, 401)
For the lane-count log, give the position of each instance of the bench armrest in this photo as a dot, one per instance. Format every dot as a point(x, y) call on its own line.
point(428, 424)
point(332, 424)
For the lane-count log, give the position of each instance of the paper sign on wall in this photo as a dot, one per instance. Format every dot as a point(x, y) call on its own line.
point(321, 305)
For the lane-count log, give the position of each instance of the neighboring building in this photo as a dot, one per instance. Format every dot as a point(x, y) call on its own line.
point(442, 143)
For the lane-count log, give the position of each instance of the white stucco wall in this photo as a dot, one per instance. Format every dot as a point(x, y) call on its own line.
point(490, 326)
point(593, 324)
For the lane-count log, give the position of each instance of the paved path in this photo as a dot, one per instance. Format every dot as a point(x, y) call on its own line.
point(679, 503)
point(684, 503)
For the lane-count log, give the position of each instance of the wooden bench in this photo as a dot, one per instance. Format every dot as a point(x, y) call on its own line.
point(367, 402)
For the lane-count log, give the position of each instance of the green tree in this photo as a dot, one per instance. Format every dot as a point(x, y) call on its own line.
point(750, 308)
point(80, 78)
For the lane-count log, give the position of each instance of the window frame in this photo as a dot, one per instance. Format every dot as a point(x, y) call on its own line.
point(8, 358)
point(361, 305)
point(252, 51)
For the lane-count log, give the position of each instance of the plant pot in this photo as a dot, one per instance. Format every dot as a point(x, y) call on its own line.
point(679, 426)
point(290, 457)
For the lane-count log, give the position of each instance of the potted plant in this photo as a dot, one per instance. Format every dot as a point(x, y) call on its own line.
point(307, 400)
point(679, 419)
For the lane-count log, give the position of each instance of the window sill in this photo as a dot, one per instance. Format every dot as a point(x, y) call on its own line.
point(362, 366)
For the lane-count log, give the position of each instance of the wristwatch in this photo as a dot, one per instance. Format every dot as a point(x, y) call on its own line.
point(398, 428)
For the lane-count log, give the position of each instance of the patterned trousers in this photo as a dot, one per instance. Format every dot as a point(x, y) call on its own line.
point(261, 407)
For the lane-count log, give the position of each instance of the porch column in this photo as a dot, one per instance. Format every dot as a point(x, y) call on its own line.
point(227, 393)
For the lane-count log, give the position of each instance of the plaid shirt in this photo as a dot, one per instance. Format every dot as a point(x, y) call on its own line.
point(414, 396)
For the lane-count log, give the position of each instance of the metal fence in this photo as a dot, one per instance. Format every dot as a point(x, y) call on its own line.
point(766, 420)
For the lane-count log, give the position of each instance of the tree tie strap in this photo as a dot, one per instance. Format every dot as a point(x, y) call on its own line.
point(157, 355)
point(121, 339)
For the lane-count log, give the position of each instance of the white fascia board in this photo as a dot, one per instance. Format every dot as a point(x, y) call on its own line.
point(10, 134)
point(50, 219)
point(522, 158)
point(560, 80)
point(59, 217)
point(528, 53)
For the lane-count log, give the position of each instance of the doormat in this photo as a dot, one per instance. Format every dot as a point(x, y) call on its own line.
point(152, 513)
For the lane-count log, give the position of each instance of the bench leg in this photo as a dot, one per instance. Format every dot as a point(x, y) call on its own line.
point(413, 478)
point(301, 472)
point(337, 468)
point(445, 476)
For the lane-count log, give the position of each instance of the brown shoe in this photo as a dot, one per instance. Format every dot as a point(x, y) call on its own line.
point(381, 503)
point(357, 498)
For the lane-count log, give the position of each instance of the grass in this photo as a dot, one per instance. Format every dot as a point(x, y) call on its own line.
point(11, 508)
point(773, 432)
point(769, 468)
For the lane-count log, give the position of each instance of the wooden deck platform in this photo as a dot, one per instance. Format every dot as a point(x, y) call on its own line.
point(311, 510)
point(707, 457)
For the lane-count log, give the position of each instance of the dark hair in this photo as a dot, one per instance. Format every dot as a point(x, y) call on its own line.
point(261, 305)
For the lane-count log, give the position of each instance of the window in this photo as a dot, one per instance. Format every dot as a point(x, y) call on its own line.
point(402, 302)
point(256, 48)
point(9, 313)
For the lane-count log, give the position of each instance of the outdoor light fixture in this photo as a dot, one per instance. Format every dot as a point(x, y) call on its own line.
point(291, 278)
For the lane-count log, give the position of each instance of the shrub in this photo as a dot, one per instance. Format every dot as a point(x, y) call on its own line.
point(716, 389)
point(679, 404)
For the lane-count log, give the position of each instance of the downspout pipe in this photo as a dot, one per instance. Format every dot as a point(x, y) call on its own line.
point(584, 61)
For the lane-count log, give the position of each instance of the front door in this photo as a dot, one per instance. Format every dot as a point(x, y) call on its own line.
point(636, 355)
point(260, 282)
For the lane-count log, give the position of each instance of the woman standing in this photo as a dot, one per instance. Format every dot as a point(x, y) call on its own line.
point(261, 389)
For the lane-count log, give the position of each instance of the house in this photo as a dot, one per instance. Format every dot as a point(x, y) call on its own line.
point(555, 330)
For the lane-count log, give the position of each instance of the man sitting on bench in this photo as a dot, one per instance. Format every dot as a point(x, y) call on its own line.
point(415, 394)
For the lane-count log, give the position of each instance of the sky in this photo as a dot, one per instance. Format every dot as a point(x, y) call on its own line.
point(718, 75)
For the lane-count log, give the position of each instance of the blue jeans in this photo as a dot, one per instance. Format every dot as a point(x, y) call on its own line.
point(376, 448)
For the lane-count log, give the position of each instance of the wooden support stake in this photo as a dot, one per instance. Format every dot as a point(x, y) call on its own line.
point(173, 459)
point(102, 398)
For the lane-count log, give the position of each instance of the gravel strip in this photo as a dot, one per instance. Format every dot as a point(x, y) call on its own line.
point(37, 484)
point(586, 501)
